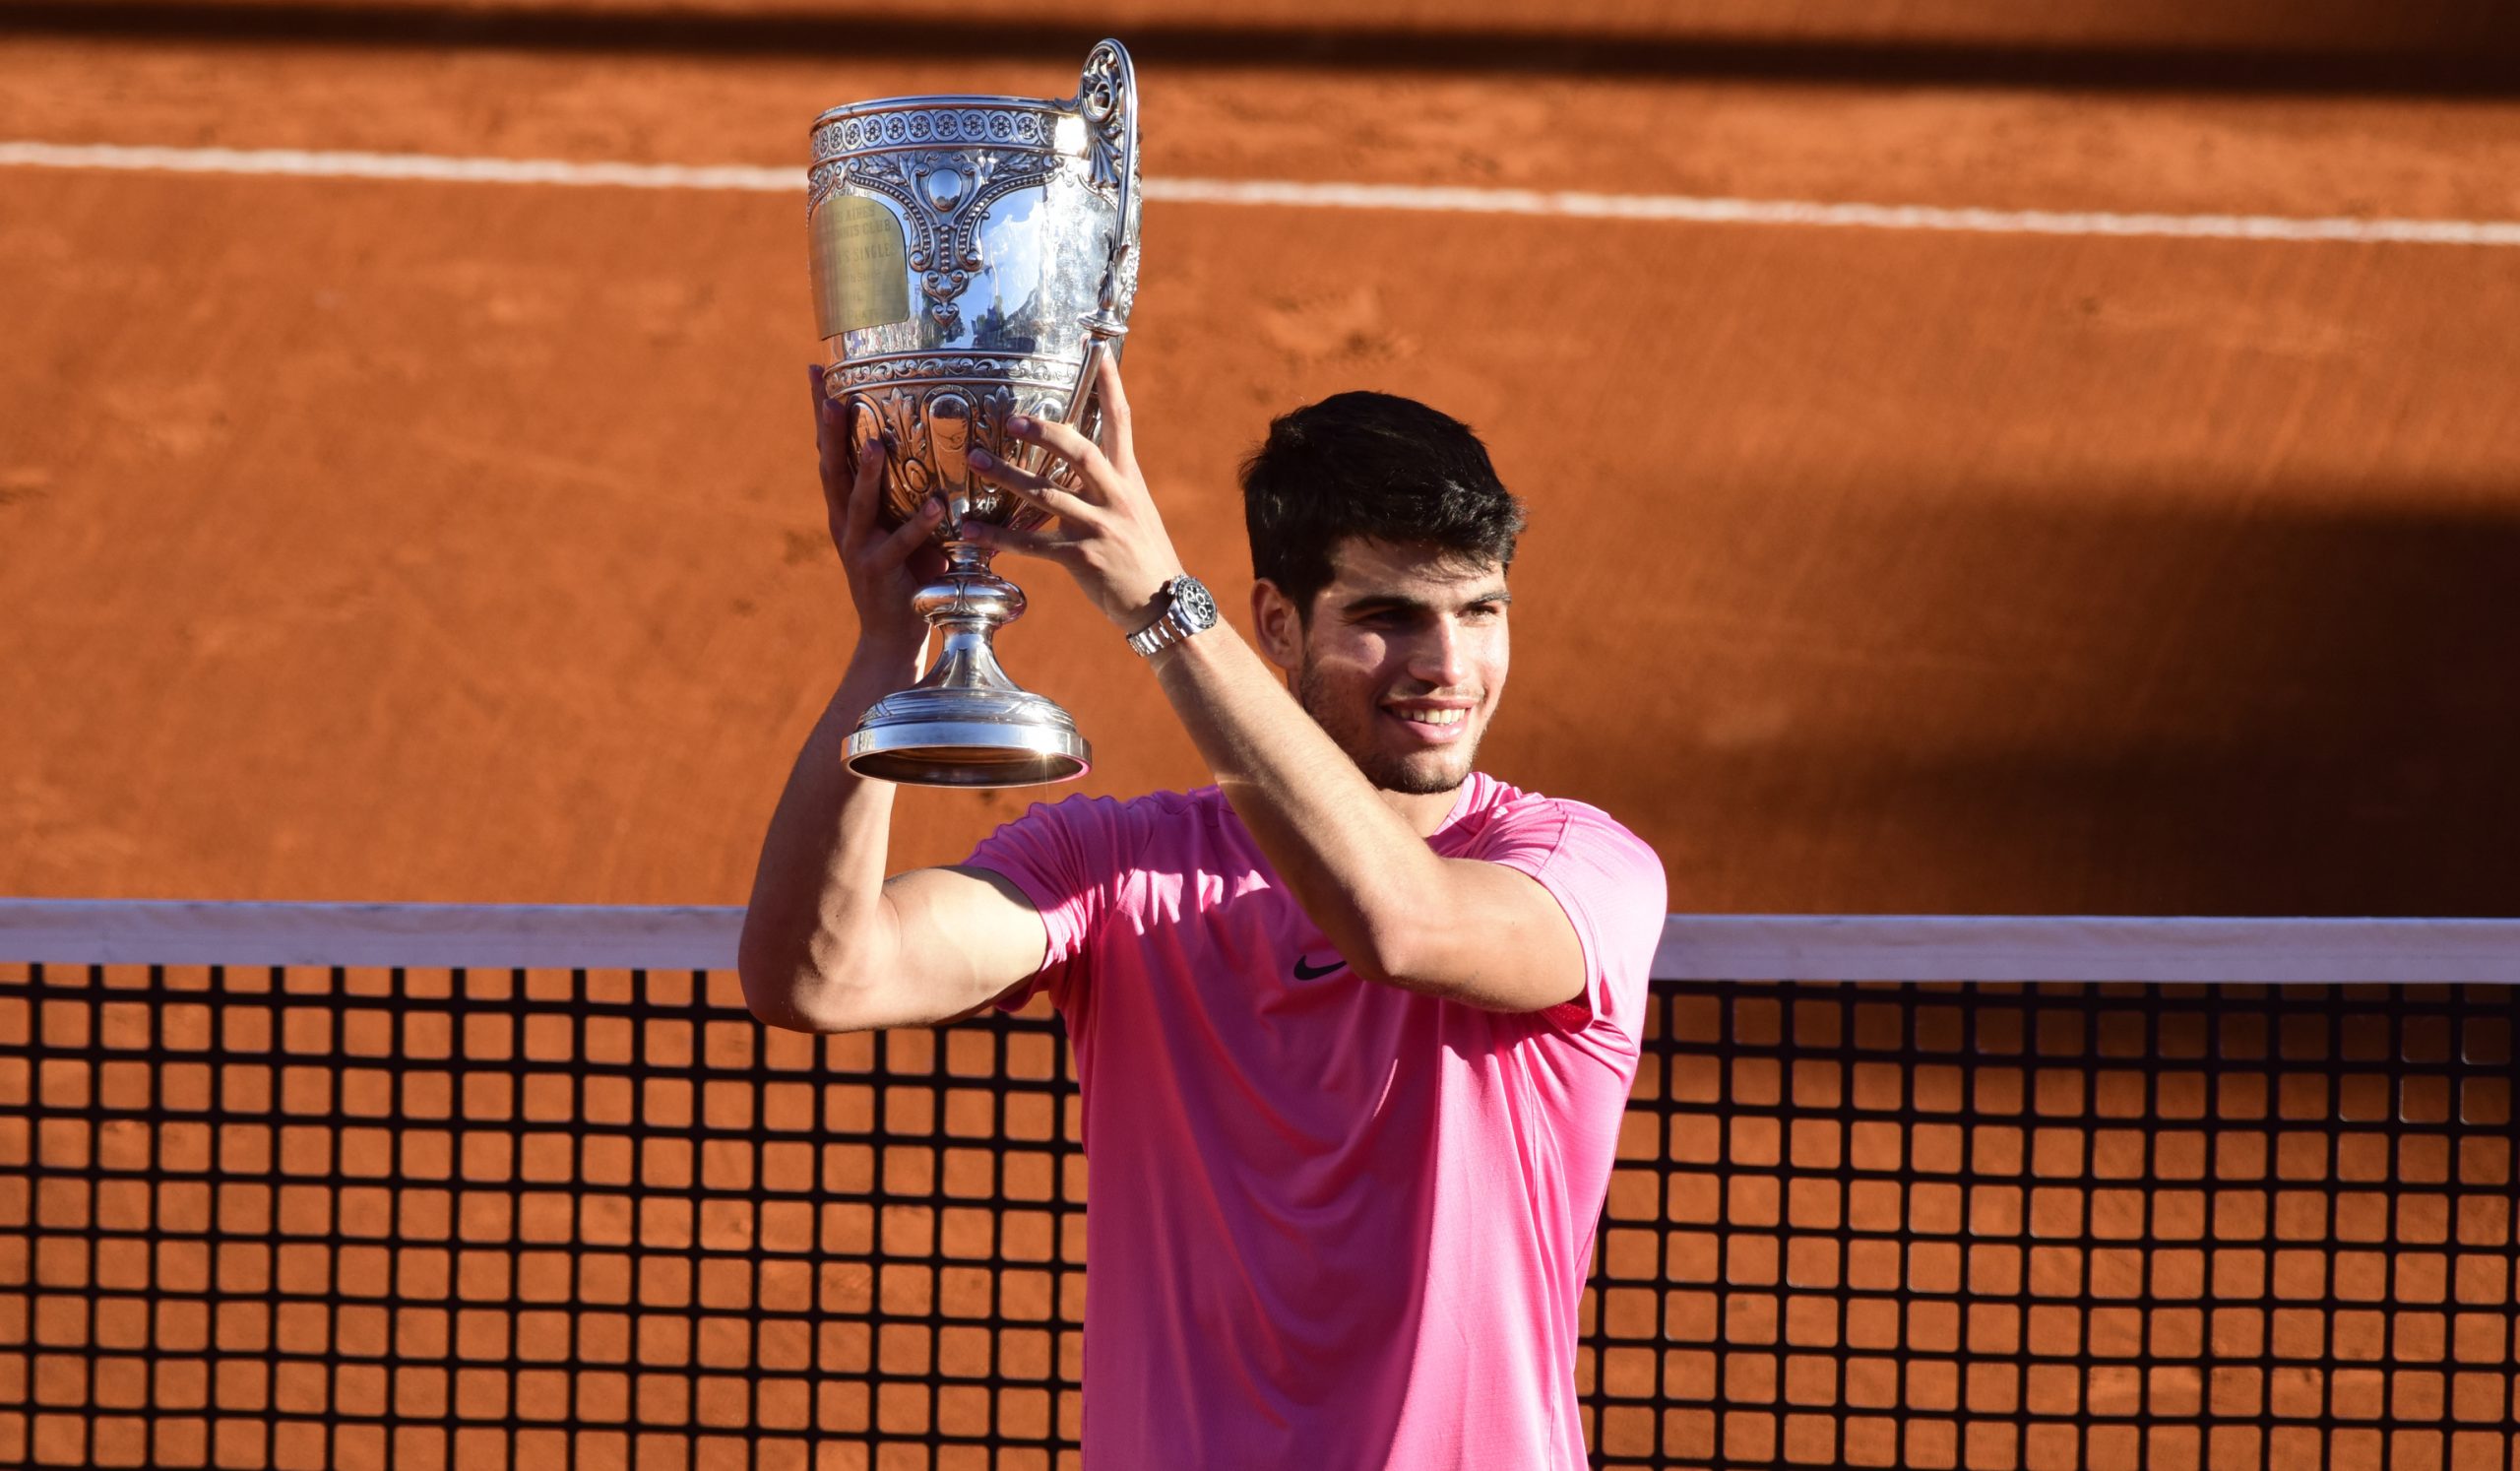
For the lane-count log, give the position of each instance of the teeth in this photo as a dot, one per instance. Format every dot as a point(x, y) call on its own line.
point(1432, 717)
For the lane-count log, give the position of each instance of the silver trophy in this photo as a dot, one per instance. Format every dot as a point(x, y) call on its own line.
point(974, 258)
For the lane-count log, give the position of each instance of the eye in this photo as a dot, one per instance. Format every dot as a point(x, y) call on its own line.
point(1482, 612)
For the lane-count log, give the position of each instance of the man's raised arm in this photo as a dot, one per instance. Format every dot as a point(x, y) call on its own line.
point(830, 944)
point(1469, 931)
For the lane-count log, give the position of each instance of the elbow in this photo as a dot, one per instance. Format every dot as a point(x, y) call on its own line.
point(1404, 931)
point(1399, 953)
point(792, 984)
point(771, 993)
point(771, 997)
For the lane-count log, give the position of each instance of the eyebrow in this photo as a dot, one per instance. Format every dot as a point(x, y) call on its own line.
point(1397, 603)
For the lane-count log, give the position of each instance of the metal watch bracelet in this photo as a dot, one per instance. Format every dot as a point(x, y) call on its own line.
point(1187, 610)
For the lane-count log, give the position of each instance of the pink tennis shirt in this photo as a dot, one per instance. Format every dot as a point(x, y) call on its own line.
point(1335, 1224)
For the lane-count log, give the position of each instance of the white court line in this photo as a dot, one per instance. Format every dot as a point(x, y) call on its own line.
point(428, 167)
point(1556, 204)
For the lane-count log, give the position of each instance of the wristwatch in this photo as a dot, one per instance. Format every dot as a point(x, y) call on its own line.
point(1183, 609)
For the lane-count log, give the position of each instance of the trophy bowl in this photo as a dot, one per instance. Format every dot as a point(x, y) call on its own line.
point(972, 259)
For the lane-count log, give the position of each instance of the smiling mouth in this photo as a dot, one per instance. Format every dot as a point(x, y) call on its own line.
point(1431, 716)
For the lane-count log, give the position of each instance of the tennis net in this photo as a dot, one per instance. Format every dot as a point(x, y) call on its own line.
point(352, 1186)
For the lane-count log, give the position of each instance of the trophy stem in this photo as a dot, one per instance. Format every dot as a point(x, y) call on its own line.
point(965, 723)
point(967, 604)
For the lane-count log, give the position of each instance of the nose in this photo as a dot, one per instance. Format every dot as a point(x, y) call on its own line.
point(1441, 655)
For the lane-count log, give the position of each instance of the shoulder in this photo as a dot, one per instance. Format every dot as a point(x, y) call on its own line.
point(1609, 879)
point(1150, 809)
point(1109, 831)
point(1507, 817)
point(1086, 806)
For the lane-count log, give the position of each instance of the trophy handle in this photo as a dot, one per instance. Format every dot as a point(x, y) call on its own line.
point(1107, 97)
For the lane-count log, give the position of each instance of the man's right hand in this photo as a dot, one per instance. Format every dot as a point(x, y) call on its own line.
point(886, 567)
point(829, 944)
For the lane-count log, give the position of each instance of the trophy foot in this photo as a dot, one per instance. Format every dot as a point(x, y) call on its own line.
point(967, 738)
point(965, 723)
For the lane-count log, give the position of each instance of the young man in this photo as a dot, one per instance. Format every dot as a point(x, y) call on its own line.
point(1355, 1026)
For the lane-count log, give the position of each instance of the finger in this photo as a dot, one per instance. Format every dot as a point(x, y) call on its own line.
point(831, 423)
point(1092, 466)
point(827, 415)
point(830, 462)
point(905, 539)
point(1032, 489)
point(1028, 542)
point(866, 494)
point(1119, 435)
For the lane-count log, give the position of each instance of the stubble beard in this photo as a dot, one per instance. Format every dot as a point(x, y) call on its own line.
point(1438, 772)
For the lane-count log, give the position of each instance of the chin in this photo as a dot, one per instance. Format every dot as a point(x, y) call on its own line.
point(1421, 775)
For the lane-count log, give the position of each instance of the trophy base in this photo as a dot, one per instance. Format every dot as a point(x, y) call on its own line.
point(967, 738)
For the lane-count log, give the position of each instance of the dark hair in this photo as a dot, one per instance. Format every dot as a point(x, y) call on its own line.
point(1370, 464)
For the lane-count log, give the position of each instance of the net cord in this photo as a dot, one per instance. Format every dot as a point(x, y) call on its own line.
point(1694, 947)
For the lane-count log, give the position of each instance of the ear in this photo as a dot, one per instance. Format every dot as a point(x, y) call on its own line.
point(1279, 625)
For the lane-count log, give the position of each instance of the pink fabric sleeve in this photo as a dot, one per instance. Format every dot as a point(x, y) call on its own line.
point(1609, 883)
point(1065, 859)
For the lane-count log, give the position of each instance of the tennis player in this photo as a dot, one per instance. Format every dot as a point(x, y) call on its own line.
point(1355, 1025)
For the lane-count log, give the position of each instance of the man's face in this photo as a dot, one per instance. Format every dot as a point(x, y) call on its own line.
point(1402, 661)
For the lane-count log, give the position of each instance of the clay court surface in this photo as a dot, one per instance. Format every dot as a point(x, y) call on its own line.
point(415, 540)
point(424, 540)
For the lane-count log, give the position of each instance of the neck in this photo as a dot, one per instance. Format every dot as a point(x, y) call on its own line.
point(1423, 811)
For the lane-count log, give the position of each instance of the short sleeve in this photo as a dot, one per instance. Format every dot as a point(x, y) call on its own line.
point(1066, 859)
point(1610, 884)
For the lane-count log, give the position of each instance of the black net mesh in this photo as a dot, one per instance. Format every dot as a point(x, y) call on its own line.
point(2063, 1227)
point(254, 1217)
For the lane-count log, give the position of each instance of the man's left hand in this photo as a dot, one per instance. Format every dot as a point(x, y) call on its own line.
point(1105, 530)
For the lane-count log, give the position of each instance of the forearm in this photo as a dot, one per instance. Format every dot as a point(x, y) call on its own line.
point(1355, 865)
point(817, 915)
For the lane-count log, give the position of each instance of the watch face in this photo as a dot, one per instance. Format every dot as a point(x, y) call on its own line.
point(1190, 600)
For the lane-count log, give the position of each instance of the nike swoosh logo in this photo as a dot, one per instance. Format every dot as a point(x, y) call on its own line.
point(1304, 972)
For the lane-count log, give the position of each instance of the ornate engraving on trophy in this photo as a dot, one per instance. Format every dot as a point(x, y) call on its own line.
point(945, 193)
point(861, 265)
point(973, 257)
